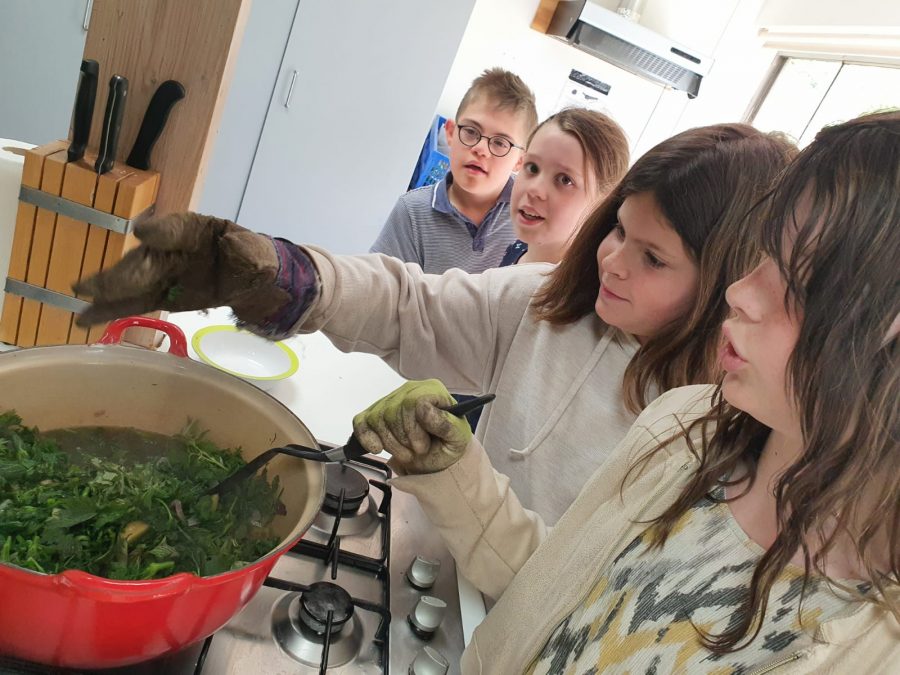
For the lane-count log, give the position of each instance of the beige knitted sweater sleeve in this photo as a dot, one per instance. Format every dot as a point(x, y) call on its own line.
point(452, 326)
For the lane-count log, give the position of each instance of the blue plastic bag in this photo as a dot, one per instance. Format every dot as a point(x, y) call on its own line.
point(433, 164)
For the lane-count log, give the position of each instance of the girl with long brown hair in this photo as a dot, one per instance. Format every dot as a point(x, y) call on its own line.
point(645, 282)
point(748, 527)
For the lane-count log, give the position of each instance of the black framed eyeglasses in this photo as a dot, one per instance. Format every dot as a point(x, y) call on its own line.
point(499, 146)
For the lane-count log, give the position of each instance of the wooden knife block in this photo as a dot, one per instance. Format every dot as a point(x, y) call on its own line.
point(52, 250)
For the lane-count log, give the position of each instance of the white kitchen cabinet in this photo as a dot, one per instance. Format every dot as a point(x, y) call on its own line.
point(246, 104)
point(39, 85)
point(355, 95)
point(41, 43)
point(325, 170)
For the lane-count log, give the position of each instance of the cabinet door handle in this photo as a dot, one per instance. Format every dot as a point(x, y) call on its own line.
point(89, 5)
point(287, 100)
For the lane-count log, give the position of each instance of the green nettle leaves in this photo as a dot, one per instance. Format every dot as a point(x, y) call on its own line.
point(125, 514)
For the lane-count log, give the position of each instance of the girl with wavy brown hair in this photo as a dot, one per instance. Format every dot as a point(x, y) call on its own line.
point(685, 179)
point(644, 284)
point(748, 527)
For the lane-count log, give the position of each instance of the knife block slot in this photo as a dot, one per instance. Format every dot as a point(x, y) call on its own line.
point(71, 223)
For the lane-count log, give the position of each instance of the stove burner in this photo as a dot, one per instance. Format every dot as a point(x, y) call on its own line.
point(342, 480)
point(318, 627)
point(321, 598)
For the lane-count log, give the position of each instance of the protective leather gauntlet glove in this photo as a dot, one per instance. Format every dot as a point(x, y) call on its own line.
point(187, 261)
point(409, 425)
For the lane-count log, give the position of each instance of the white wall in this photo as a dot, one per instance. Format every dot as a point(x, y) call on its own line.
point(833, 13)
point(499, 34)
point(740, 68)
point(867, 31)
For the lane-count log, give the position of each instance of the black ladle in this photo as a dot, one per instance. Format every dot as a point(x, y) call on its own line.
point(352, 449)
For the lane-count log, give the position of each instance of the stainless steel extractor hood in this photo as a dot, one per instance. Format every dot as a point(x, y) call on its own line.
point(628, 45)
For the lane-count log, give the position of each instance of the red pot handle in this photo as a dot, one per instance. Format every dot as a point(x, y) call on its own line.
point(177, 341)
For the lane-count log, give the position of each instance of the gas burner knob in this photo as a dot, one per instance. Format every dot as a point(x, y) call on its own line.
point(429, 662)
point(422, 573)
point(426, 617)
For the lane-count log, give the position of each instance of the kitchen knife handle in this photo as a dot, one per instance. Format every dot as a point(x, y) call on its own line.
point(112, 123)
point(165, 97)
point(353, 449)
point(84, 108)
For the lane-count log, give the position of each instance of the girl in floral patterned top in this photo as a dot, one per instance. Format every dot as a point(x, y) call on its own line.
point(742, 570)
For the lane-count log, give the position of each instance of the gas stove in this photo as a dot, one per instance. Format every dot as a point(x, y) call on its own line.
point(347, 589)
point(370, 588)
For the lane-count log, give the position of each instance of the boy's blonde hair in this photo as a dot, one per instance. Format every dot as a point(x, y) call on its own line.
point(506, 91)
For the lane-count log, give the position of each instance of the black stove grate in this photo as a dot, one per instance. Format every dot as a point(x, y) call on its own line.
point(381, 634)
point(333, 556)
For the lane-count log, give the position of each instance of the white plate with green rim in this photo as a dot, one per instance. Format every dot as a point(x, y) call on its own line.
point(245, 355)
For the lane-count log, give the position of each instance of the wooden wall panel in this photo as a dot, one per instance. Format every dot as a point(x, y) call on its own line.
point(544, 15)
point(148, 42)
point(151, 41)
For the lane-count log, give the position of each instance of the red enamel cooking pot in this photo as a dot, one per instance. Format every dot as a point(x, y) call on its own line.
point(78, 620)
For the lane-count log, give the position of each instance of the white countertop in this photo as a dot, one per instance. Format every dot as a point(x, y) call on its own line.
point(329, 387)
point(327, 390)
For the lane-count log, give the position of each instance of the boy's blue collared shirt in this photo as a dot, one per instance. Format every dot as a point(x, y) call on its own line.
point(441, 202)
point(425, 228)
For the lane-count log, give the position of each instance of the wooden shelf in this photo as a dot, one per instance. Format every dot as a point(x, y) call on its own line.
point(544, 15)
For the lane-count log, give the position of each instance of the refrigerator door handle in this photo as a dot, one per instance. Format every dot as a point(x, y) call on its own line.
point(89, 5)
point(290, 93)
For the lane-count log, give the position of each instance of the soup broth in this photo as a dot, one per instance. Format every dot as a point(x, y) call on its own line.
point(127, 504)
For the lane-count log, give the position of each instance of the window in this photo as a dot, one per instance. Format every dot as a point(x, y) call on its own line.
point(808, 94)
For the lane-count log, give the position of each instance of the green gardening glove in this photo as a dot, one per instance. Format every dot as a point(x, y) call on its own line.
point(410, 425)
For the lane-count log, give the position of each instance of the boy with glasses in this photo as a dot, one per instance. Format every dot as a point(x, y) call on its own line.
point(464, 221)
